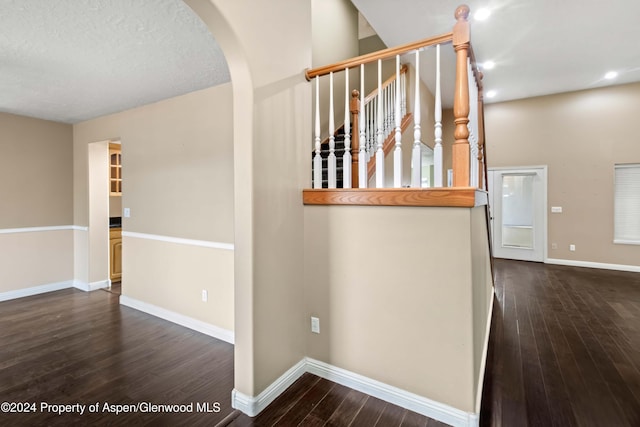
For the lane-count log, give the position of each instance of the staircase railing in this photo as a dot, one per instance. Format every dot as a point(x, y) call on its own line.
point(347, 166)
point(384, 118)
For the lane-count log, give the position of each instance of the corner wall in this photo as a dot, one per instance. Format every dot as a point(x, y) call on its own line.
point(272, 134)
point(177, 168)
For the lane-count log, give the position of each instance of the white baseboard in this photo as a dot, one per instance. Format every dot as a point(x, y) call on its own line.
point(252, 406)
point(430, 408)
point(35, 290)
point(485, 350)
point(589, 264)
point(422, 405)
point(172, 316)
point(101, 284)
point(88, 287)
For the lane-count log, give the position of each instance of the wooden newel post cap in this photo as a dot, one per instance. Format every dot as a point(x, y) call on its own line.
point(462, 13)
point(355, 93)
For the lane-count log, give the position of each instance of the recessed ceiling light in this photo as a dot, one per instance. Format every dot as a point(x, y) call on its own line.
point(611, 75)
point(482, 14)
point(491, 94)
point(488, 65)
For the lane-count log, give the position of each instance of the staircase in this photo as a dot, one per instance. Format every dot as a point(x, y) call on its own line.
point(339, 152)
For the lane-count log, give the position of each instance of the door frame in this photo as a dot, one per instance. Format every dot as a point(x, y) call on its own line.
point(543, 171)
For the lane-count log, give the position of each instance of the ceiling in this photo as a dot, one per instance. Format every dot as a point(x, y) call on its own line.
point(72, 60)
point(539, 47)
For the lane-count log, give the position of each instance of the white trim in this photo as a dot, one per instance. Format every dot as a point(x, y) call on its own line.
point(485, 350)
point(40, 229)
point(35, 290)
point(252, 406)
point(180, 240)
point(422, 405)
point(626, 242)
point(180, 319)
point(589, 264)
point(545, 195)
point(481, 198)
point(88, 287)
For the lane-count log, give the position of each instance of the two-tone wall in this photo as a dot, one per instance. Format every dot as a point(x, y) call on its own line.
point(177, 168)
point(36, 209)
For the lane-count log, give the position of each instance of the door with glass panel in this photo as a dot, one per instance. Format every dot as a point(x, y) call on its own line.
point(518, 207)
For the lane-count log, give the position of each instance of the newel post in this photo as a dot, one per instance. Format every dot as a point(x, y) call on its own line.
point(461, 151)
point(354, 108)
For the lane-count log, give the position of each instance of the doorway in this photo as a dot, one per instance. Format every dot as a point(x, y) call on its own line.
point(518, 197)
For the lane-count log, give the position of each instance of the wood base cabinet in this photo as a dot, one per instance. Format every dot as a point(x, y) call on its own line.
point(115, 254)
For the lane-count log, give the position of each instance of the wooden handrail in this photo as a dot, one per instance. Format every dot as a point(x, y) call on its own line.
point(381, 54)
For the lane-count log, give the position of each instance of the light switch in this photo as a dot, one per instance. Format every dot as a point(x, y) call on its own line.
point(126, 212)
point(556, 209)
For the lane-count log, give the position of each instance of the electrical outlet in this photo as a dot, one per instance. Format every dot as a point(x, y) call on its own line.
point(205, 295)
point(554, 246)
point(572, 248)
point(315, 325)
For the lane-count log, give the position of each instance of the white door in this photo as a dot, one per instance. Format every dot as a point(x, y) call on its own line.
point(518, 198)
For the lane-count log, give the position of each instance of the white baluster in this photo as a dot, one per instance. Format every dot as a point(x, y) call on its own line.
point(362, 154)
point(389, 106)
point(370, 106)
point(404, 94)
point(473, 137)
point(437, 149)
point(379, 148)
point(397, 153)
point(331, 161)
point(317, 159)
point(346, 157)
point(416, 154)
point(370, 130)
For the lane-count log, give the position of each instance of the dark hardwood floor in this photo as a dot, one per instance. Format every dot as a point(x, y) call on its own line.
point(312, 401)
point(564, 351)
point(564, 347)
point(70, 347)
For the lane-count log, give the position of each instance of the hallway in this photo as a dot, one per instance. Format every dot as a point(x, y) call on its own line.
point(564, 348)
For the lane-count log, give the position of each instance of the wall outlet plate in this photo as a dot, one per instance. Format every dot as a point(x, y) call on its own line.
point(315, 325)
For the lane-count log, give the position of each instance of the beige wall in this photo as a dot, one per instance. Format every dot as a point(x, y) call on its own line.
point(173, 275)
point(334, 35)
point(33, 259)
point(36, 179)
point(177, 166)
point(580, 136)
point(272, 129)
point(36, 185)
point(98, 167)
point(482, 292)
point(395, 303)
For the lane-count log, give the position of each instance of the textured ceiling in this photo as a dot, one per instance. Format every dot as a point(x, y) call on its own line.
point(539, 46)
point(72, 60)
